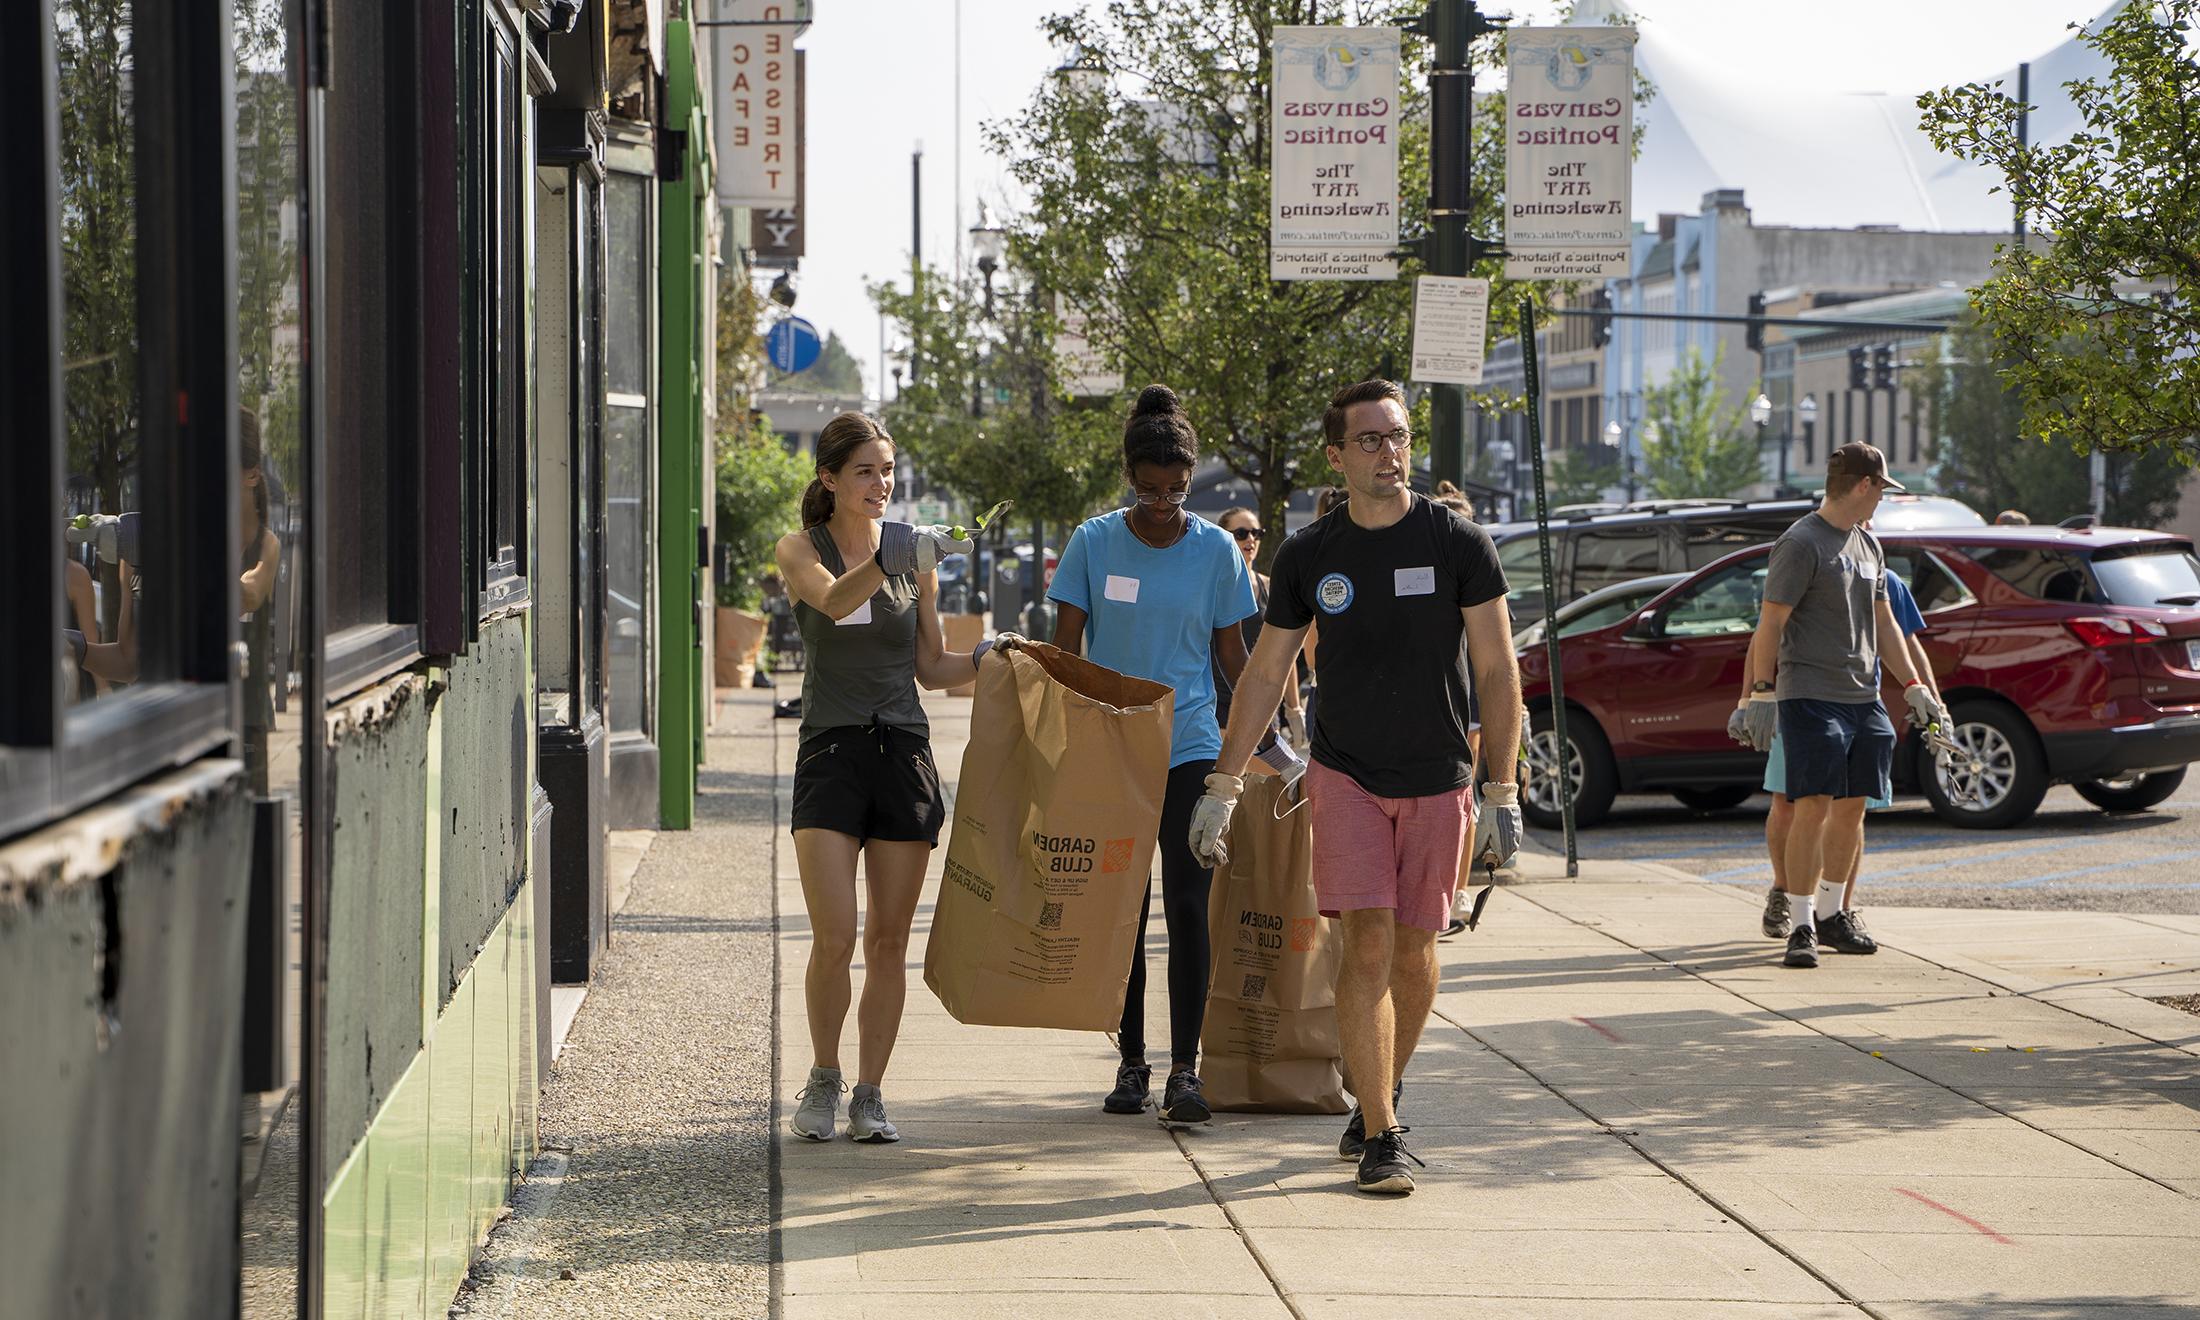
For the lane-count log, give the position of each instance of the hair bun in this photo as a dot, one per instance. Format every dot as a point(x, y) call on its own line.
point(1156, 399)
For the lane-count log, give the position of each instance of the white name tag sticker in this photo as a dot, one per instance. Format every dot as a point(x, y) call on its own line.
point(1868, 572)
point(1124, 589)
point(862, 615)
point(1416, 581)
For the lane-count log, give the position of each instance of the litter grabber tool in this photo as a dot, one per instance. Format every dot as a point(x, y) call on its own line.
point(978, 524)
point(1962, 785)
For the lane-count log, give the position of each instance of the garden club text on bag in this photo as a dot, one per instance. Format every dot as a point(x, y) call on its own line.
point(1056, 814)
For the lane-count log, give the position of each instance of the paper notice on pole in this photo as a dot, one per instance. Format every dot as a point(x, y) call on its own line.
point(1333, 190)
point(1569, 152)
point(1451, 319)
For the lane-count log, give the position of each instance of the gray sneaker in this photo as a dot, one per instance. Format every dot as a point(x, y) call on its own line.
point(815, 1116)
point(867, 1116)
point(1777, 921)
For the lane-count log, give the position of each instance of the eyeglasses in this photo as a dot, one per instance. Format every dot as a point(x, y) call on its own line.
point(1246, 533)
point(1170, 497)
point(1375, 442)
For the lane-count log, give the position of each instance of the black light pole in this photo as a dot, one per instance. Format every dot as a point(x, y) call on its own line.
point(1452, 250)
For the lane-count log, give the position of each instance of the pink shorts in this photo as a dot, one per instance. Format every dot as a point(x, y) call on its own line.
point(1378, 852)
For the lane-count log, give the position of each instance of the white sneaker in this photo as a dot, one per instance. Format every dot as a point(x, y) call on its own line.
point(817, 1115)
point(867, 1116)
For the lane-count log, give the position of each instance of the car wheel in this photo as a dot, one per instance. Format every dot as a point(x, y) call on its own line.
point(2134, 793)
point(1714, 799)
point(1589, 764)
point(1997, 774)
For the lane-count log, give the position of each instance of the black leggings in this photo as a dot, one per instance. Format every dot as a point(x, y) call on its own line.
point(1184, 885)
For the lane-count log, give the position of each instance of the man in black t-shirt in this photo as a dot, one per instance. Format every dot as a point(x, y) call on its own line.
point(1396, 581)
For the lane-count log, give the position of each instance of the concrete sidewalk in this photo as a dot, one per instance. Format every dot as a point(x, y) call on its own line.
point(1628, 1108)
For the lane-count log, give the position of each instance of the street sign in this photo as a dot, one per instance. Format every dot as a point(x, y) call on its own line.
point(1084, 368)
point(1450, 323)
point(1569, 152)
point(1333, 190)
point(753, 101)
point(793, 345)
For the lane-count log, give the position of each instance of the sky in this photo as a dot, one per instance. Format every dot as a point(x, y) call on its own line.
point(882, 78)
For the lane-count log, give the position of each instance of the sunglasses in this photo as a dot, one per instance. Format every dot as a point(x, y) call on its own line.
point(1246, 533)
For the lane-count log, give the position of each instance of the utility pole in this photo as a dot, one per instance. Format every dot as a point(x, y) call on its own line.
point(1452, 25)
point(916, 240)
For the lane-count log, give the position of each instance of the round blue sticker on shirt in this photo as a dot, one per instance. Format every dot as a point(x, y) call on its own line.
point(1333, 593)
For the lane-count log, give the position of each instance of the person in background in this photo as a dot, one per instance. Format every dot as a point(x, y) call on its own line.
point(1153, 592)
point(1462, 899)
point(2012, 518)
point(259, 561)
point(1244, 527)
point(866, 595)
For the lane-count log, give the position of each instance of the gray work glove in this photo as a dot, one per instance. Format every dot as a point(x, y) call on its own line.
point(1502, 825)
point(1737, 727)
point(1282, 758)
point(1760, 720)
point(906, 548)
point(1925, 707)
point(1007, 641)
point(1211, 818)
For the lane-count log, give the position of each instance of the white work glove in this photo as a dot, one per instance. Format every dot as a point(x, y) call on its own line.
point(1294, 719)
point(1925, 707)
point(906, 548)
point(1760, 720)
point(1282, 758)
point(1007, 641)
point(1737, 727)
point(1211, 818)
point(1502, 825)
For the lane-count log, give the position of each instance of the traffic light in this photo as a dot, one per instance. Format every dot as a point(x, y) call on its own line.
point(1600, 321)
point(1755, 335)
point(1859, 369)
point(1883, 367)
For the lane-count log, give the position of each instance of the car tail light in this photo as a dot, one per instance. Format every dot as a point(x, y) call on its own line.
point(2114, 631)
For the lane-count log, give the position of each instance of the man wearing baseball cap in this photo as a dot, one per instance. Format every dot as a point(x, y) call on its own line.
point(1813, 674)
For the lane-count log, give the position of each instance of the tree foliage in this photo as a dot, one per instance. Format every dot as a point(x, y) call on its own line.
point(92, 53)
point(1148, 182)
point(760, 488)
point(985, 413)
point(2098, 321)
point(1986, 459)
point(1701, 449)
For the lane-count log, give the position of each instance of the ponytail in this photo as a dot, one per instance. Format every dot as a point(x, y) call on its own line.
point(817, 505)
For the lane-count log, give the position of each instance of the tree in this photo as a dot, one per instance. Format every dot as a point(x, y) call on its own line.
point(1147, 173)
point(1577, 476)
point(835, 372)
point(985, 413)
point(98, 243)
point(760, 488)
point(1987, 461)
point(1700, 449)
point(2098, 321)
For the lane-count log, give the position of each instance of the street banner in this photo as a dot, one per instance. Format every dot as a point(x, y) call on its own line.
point(1451, 317)
point(754, 101)
point(1333, 189)
point(1084, 369)
point(775, 233)
point(1569, 152)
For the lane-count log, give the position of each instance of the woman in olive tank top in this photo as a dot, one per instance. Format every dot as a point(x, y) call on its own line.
point(866, 599)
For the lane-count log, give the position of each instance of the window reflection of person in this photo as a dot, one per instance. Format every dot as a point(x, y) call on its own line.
point(259, 558)
point(76, 583)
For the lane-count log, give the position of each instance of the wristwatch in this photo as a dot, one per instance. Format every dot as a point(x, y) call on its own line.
point(1760, 685)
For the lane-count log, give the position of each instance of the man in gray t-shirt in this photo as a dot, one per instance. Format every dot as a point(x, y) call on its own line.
point(1814, 675)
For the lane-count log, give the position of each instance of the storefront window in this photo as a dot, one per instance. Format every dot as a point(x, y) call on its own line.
point(629, 464)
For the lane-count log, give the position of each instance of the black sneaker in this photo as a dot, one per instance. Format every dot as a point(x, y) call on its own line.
point(1133, 1090)
point(1383, 1170)
point(1354, 1140)
point(1843, 932)
point(1802, 949)
point(1181, 1103)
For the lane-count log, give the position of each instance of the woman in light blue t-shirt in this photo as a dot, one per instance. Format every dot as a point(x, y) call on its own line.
point(1157, 593)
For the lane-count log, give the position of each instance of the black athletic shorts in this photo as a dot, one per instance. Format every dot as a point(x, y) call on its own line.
point(869, 781)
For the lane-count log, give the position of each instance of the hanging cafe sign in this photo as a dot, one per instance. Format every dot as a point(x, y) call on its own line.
point(1333, 187)
point(1569, 152)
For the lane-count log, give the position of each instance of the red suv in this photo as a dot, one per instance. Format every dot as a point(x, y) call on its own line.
point(2065, 656)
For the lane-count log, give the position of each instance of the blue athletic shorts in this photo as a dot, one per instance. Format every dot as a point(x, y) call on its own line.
point(1776, 779)
point(1837, 748)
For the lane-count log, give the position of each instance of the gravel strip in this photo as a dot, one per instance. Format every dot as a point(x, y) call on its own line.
point(2189, 1003)
point(653, 1194)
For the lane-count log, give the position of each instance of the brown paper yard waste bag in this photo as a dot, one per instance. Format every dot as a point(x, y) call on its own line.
point(1056, 815)
point(1270, 1039)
